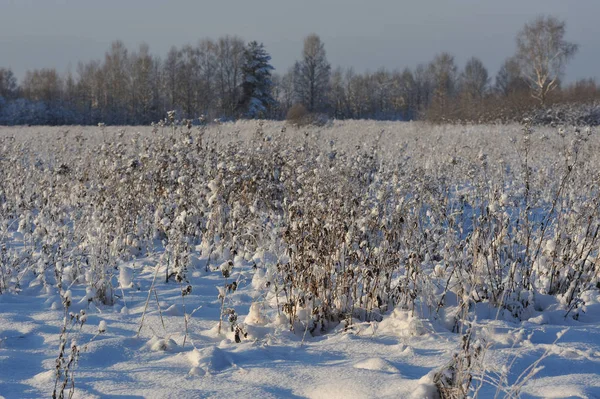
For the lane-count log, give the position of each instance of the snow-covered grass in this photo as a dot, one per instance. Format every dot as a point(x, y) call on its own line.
point(358, 259)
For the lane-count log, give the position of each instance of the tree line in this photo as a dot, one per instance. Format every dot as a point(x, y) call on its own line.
point(228, 78)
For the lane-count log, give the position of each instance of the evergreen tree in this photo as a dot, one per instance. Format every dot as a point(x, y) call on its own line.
point(257, 98)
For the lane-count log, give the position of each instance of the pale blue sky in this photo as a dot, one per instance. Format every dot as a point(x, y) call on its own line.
point(362, 34)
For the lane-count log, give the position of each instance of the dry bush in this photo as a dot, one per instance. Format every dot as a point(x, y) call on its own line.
point(297, 114)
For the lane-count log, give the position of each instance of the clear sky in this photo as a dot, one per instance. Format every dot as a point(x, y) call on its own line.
point(364, 34)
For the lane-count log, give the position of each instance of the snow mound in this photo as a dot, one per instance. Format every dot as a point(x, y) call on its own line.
point(161, 344)
point(255, 316)
point(402, 324)
point(125, 276)
point(426, 388)
point(259, 279)
point(211, 360)
point(43, 378)
point(376, 364)
point(173, 310)
point(196, 372)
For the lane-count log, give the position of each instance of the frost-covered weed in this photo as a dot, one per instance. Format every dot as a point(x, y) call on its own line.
point(353, 222)
point(69, 349)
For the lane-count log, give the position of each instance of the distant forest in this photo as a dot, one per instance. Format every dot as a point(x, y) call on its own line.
point(228, 79)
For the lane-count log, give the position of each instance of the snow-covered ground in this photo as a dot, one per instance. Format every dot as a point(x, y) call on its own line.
point(390, 359)
point(156, 342)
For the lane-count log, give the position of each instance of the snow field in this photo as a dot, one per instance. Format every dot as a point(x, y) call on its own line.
point(351, 260)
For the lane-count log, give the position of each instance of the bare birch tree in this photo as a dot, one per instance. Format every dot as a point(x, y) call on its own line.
point(542, 54)
point(311, 74)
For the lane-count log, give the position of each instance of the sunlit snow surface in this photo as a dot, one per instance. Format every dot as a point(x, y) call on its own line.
point(387, 361)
